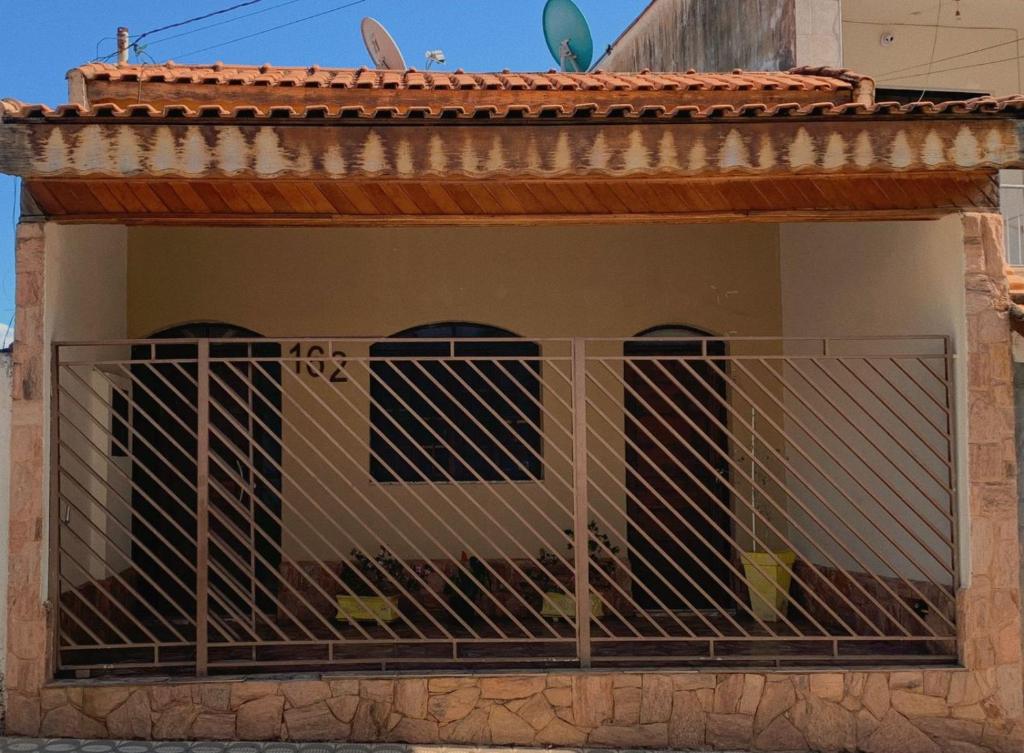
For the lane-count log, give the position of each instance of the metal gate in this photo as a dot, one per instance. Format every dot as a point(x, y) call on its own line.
point(245, 505)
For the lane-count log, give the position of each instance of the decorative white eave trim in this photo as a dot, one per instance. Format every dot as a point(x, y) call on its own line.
point(40, 150)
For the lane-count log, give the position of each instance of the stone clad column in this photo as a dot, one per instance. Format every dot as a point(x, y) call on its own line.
point(27, 628)
point(990, 606)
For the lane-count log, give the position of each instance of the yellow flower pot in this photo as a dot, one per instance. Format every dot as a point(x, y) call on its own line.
point(558, 605)
point(367, 608)
point(768, 579)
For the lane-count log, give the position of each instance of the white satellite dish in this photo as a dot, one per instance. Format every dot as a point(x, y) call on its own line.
point(382, 48)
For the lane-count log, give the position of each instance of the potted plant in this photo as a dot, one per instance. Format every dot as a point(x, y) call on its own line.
point(603, 558)
point(767, 573)
point(467, 584)
point(374, 586)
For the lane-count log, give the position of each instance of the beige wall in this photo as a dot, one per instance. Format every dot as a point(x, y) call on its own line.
point(757, 279)
point(992, 24)
point(887, 278)
point(86, 300)
point(827, 279)
point(536, 282)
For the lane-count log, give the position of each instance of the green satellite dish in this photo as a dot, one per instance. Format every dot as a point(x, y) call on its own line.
point(568, 35)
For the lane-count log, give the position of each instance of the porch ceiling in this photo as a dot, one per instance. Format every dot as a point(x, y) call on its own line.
point(211, 143)
point(292, 201)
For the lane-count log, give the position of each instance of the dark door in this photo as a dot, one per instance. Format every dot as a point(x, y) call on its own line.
point(245, 457)
point(674, 456)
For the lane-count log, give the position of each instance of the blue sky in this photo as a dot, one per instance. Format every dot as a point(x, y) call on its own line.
point(44, 38)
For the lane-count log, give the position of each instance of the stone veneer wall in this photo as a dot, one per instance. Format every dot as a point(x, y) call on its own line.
point(878, 712)
point(978, 708)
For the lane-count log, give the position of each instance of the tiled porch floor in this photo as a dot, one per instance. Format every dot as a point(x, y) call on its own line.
point(355, 652)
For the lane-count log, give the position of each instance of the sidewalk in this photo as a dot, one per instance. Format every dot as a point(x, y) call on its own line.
point(27, 745)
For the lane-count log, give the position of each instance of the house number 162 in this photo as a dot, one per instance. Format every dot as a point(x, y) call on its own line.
point(315, 363)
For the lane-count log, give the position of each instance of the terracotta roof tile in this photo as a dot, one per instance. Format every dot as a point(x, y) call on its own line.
point(800, 80)
point(227, 91)
point(805, 79)
point(14, 110)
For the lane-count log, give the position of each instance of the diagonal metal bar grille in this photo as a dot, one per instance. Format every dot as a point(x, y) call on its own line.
point(234, 504)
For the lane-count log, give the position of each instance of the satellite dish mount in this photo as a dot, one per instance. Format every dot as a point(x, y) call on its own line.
point(567, 57)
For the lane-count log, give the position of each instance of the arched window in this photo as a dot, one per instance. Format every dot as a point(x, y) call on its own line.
point(442, 410)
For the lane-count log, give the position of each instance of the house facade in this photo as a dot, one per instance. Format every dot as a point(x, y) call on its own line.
point(625, 410)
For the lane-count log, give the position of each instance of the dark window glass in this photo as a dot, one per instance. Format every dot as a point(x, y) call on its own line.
point(437, 418)
point(121, 435)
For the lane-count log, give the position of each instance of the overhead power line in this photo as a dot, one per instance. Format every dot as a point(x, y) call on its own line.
point(137, 47)
point(272, 28)
point(961, 67)
point(935, 46)
point(203, 17)
point(952, 57)
point(231, 20)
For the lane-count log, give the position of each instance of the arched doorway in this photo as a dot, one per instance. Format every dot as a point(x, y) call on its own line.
point(674, 414)
point(244, 465)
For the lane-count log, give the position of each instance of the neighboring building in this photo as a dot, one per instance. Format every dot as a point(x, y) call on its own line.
point(707, 35)
point(365, 375)
point(913, 44)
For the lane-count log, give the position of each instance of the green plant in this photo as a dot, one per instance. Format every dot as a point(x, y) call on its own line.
point(547, 562)
point(602, 552)
point(470, 580)
point(385, 574)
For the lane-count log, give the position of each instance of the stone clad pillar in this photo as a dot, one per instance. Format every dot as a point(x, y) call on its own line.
point(27, 628)
point(990, 605)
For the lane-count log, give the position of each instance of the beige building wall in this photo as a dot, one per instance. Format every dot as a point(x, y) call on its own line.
point(980, 51)
point(598, 281)
point(799, 280)
point(539, 283)
point(536, 282)
point(86, 294)
point(890, 279)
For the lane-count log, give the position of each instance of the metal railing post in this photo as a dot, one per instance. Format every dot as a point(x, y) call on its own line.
point(53, 540)
point(581, 544)
point(202, 504)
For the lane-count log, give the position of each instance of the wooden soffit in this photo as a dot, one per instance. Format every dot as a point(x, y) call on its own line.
point(286, 200)
point(179, 171)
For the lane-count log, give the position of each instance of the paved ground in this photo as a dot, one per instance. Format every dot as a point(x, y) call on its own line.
point(23, 745)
